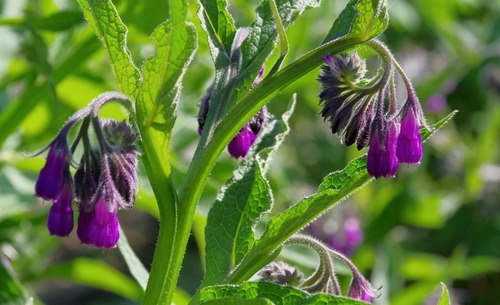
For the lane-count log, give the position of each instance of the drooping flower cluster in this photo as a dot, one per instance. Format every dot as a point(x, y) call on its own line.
point(365, 112)
point(105, 179)
point(323, 279)
point(243, 140)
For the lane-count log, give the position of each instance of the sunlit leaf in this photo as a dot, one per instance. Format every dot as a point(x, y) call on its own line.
point(334, 188)
point(364, 19)
point(103, 17)
point(218, 23)
point(277, 294)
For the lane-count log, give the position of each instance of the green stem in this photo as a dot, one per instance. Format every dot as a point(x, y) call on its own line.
point(206, 156)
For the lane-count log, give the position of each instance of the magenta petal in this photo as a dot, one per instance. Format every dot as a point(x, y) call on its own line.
point(409, 144)
point(240, 144)
point(104, 228)
point(50, 181)
point(60, 221)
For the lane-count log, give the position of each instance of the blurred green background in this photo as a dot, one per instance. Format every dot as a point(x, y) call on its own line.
point(436, 222)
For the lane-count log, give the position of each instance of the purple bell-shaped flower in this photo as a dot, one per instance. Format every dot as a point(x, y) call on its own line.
point(50, 181)
point(409, 145)
point(382, 160)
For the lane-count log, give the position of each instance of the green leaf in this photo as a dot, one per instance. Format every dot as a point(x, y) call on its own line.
point(229, 231)
point(263, 35)
point(104, 19)
point(364, 19)
point(238, 301)
point(279, 295)
point(134, 265)
point(445, 297)
point(240, 203)
point(12, 292)
point(95, 274)
point(218, 23)
point(334, 188)
point(156, 105)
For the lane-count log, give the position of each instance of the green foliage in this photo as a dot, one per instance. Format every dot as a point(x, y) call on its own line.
point(277, 294)
point(52, 64)
point(107, 25)
point(240, 203)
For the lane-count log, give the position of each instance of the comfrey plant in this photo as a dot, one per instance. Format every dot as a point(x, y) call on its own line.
point(239, 266)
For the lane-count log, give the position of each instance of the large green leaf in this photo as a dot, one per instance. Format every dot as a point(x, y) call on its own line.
point(335, 187)
point(364, 19)
point(103, 17)
point(279, 295)
point(96, 274)
point(240, 203)
point(219, 25)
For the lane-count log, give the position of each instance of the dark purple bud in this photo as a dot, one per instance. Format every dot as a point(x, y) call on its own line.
point(409, 144)
point(123, 175)
point(83, 230)
point(258, 120)
point(204, 106)
point(240, 144)
point(87, 179)
point(60, 221)
point(103, 231)
point(280, 273)
point(50, 181)
point(382, 160)
point(364, 133)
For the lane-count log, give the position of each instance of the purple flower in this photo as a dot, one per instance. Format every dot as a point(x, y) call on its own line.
point(84, 221)
point(382, 160)
point(104, 228)
point(50, 181)
point(361, 289)
point(99, 228)
point(436, 103)
point(240, 144)
point(60, 221)
point(409, 145)
point(349, 238)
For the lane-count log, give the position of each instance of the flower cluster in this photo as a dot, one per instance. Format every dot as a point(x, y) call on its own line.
point(243, 140)
point(105, 179)
point(364, 111)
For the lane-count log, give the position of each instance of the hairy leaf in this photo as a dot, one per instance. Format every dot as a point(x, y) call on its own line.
point(240, 203)
point(263, 35)
point(218, 23)
point(279, 295)
point(103, 17)
point(334, 188)
point(364, 19)
point(238, 301)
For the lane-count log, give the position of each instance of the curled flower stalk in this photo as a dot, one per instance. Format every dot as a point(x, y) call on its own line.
point(105, 179)
point(364, 111)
